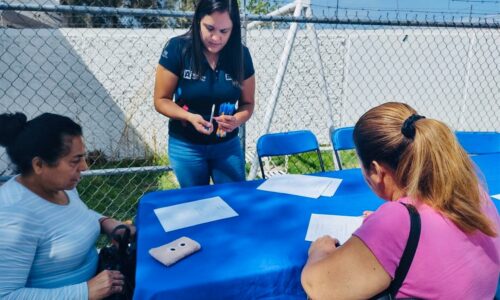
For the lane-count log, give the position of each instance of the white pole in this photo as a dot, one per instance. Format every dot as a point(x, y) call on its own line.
point(319, 64)
point(243, 128)
point(280, 11)
point(273, 100)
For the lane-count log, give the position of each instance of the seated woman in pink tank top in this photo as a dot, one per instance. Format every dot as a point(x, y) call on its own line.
point(412, 159)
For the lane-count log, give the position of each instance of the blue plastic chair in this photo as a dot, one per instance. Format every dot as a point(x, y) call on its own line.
point(287, 143)
point(341, 140)
point(479, 142)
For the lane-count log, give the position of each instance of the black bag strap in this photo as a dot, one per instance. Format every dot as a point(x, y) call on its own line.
point(409, 252)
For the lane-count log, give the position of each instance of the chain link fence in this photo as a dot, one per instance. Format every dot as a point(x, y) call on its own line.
point(312, 73)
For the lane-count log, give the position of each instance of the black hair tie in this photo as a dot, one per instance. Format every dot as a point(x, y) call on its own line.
point(408, 128)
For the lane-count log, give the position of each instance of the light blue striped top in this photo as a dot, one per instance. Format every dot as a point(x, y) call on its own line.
point(47, 250)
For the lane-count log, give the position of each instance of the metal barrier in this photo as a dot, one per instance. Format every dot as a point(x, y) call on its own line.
point(95, 65)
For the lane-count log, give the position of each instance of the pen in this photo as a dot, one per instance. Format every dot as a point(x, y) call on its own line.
point(212, 113)
point(211, 116)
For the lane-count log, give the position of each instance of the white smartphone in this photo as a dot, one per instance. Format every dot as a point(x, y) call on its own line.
point(174, 251)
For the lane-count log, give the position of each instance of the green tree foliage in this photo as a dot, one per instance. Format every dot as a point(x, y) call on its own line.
point(106, 21)
point(261, 7)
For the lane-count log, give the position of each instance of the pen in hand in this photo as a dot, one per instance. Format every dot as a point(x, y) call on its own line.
point(211, 115)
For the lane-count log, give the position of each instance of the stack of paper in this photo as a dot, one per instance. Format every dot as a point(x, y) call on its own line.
point(193, 213)
point(339, 227)
point(301, 185)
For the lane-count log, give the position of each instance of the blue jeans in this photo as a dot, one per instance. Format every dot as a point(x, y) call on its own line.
point(195, 164)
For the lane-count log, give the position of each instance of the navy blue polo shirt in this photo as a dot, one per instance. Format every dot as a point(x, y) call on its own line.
point(197, 95)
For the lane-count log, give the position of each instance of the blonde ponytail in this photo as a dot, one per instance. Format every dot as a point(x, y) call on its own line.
point(440, 173)
point(430, 165)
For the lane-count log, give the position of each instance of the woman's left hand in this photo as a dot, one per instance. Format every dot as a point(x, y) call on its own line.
point(109, 224)
point(227, 123)
point(366, 213)
point(122, 231)
point(130, 226)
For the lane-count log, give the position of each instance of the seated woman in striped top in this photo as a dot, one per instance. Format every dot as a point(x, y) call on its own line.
point(47, 234)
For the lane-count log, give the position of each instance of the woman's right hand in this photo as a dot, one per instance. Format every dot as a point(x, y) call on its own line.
point(200, 124)
point(323, 245)
point(106, 283)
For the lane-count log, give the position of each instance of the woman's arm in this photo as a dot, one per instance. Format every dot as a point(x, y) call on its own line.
point(348, 272)
point(165, 85)
point(19, 236)
point(245, 107)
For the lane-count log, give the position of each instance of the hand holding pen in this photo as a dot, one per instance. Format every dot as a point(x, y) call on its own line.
point(211, 117)
point(323, 246)
point(202, 125)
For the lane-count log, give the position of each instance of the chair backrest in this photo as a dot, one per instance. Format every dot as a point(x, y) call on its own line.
point(479, 142)
point(287, 143)
point(341, 139)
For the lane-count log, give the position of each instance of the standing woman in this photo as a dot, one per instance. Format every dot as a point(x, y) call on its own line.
point(206, 69)
point(47, 234)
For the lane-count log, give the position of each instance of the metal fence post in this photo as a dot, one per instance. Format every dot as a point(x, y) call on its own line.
point(244, 40)
point(278, 81)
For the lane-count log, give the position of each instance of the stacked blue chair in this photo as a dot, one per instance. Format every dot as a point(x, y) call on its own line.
point(479, 142)
point(287, 143)
point(341, 139)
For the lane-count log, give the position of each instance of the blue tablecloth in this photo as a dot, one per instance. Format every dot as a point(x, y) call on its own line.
point(260, 253)
point(489, 165)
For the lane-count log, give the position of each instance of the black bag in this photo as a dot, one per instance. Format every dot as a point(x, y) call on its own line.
point(120, 257)
point(406, 258)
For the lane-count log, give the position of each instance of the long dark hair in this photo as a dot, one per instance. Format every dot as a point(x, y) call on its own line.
point(232, 53)
point(44, 136)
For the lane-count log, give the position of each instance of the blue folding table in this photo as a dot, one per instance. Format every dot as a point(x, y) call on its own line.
point(258, 254)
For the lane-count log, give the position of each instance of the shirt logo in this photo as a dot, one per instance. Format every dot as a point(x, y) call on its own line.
point(165, 53)
point(187, 74)
point(228, 77)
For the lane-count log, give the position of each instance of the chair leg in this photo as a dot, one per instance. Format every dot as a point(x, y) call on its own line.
point(320, 160)
point(338, 160)
point(262, 168)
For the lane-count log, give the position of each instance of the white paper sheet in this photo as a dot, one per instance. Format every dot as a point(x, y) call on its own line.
point(301, 185)
point(497, 196)
point(193, 213)
point(339, 227)
point(332, 187)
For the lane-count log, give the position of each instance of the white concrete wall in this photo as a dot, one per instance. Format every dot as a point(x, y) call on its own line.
point(104, 79)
